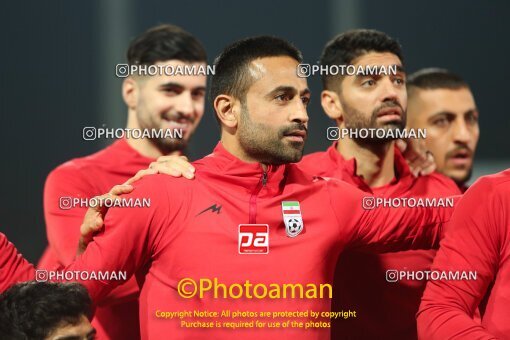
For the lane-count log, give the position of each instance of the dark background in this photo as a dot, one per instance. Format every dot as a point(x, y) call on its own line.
point(57, 73)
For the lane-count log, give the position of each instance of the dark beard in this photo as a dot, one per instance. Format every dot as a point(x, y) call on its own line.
point(355, 120)
point(261, 142)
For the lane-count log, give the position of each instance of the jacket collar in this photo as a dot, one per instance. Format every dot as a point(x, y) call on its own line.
point(249, 177)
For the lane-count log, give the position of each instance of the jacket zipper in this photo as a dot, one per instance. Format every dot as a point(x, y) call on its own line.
point(253, 198)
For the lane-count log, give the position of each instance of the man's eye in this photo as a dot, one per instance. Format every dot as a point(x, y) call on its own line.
point(283, 98)
point(472, 119)
point(441, 122)
point(198, 95)
point(369, 82)
point(305, 100)
point(399, 81)
point(170, 91)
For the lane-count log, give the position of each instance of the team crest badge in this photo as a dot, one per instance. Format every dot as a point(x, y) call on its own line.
point(292, 218)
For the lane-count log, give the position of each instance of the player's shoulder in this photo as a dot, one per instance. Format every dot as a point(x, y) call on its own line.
point(69, 172)
point(117, 152)
point(87, 166)
point(487, 198)
point(438, 183)
point(69, 167)
point(71, 175)
point(296, 173)
point(317, 163)
point(302, 176)
point(314, 156)
point(498, 183)
point(83, 163)
point(155, 181)
point(162, 185)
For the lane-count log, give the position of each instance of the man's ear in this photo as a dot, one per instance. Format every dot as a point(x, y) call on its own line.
point(130, 92)
point(227, 110)
point(331, 104)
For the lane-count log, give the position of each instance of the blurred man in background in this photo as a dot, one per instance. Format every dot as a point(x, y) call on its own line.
point(442, 103)
point(160, 102)
point(46, 311)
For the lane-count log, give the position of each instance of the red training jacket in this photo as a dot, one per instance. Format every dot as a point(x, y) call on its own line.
point(13, 267)
point(385, 310)
point(191, 230)
point(478, 239)
point(86, 177)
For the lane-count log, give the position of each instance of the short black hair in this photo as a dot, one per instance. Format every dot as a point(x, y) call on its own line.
point(231, 74)
point(165, 42)
point(32, 310)
point(347, 46)
point(434, 78)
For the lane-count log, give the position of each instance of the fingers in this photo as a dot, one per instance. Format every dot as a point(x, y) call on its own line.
point(175, 166)
point(140, 174)
point(417, 165)
point(416, 155)
point(91, 225)
point(414, 161)
point(171, 158)
point(94, 217)
point(430, 165)
point(173, 169)
point(401, 145)
point(121, 189)
point(423, 164)
point(414, 170)
point(180, 161)
point(98, 204)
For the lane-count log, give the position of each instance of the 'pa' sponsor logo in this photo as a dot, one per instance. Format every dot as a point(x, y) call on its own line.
point(253, 239)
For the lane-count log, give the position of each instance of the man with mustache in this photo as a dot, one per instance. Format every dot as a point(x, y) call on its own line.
point(443, 103)
point(386, 309)
point(231, 222)
point(161, 102)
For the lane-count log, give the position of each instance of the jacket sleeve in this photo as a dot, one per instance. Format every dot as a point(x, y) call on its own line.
point(62, 220)
point(384, 228)
point(126, 241)
point(472, 243)
point(13, 267)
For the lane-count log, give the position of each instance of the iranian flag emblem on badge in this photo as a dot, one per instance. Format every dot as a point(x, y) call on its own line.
point(292, 218)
